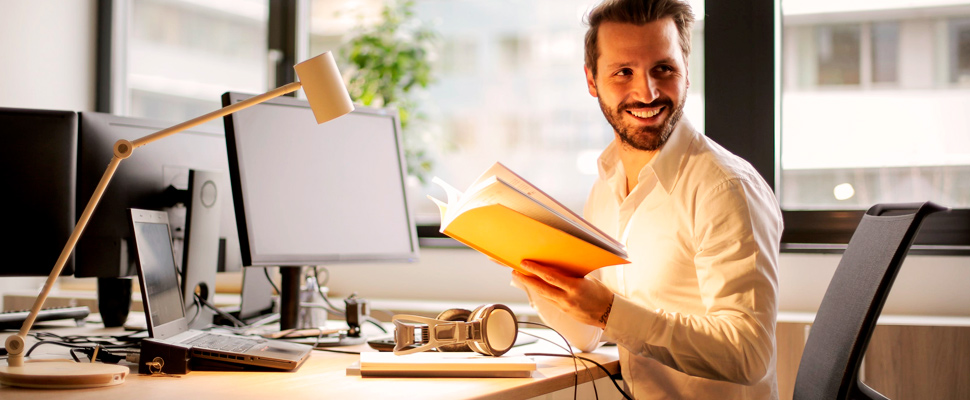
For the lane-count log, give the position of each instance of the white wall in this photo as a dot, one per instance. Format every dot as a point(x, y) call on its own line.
point(926, 285)
point(47, 48)
point(48, 52)
point(47, 60)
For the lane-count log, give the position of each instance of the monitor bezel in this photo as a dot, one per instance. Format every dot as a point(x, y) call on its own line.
point(104, 251)
point(239, 202)
point(50, 166)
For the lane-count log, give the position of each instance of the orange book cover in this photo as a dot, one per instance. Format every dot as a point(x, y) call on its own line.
point(512, 222)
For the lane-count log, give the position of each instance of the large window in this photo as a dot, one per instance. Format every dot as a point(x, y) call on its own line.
point(873, 106)
point(508, 86)
point(862, 102)
point(171, 60)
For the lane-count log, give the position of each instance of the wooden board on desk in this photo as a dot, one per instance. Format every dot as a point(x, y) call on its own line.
point(456, 364)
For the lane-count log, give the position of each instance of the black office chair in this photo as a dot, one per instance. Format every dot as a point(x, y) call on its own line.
point(829, 368)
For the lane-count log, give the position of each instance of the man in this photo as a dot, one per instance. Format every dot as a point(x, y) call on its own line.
point(694, 312)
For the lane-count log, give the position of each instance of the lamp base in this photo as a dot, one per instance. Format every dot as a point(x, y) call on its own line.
point(63, 374)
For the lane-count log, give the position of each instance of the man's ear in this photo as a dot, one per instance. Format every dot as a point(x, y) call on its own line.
point(590, 82)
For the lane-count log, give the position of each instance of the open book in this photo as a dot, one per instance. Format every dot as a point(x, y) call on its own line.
point(510, 220)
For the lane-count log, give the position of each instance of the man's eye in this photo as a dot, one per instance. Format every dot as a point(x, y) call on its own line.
point(623, 72)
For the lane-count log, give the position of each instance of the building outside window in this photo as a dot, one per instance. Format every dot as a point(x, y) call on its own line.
point(873, 104)
point(181, 55)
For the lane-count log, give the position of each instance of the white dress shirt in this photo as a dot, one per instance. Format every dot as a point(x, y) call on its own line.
point(694, 312)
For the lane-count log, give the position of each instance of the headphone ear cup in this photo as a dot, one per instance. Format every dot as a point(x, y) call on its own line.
point(499, 329)
point(454, 314)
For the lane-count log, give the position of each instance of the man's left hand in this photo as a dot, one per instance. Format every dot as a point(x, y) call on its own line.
point(585, 299)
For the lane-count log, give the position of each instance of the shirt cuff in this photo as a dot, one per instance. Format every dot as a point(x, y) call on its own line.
point(628, 321)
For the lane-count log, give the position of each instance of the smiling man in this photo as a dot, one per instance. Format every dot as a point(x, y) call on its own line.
point(694, 312)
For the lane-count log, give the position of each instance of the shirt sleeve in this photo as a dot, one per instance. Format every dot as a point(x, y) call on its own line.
point(736, 233)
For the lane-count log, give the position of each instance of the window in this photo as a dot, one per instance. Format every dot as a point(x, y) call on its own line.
point(173, 59)
point(885, 51)
point(868, 104)
point(838, 54)
point(508, 86)
point(867, 142)
point(959, 51)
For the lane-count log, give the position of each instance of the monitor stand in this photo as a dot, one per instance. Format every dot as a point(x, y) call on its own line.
point(290, 308)
point(290, 297)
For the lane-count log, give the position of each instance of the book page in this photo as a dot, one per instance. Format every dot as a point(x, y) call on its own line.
point(502, 172)
point(497, 191)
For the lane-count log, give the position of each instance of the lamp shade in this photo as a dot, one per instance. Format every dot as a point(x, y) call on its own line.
point(324, 87)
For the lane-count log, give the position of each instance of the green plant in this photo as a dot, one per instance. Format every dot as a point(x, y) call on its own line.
point(387, 62)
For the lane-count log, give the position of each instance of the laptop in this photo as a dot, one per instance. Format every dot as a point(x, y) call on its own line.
point(165, 312)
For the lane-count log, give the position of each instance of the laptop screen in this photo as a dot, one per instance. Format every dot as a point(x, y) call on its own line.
point(163, 302)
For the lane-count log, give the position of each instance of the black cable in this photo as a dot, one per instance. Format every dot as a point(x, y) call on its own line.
point(320, 286)
point(590, 360)
point(595, 391)
point(575, 363)
point(376, 323)
point(198, 309)
point(235, 321)
point(270, 279)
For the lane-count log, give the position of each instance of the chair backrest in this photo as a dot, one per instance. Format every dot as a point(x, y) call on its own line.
point(829, 367)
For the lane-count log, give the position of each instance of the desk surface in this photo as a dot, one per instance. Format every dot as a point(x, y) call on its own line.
point(324, 376)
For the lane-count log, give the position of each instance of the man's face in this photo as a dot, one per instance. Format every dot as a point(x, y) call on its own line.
point(641, 81)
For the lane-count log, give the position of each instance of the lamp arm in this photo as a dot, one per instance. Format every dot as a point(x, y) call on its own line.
point(291, 87)
point(15, 344)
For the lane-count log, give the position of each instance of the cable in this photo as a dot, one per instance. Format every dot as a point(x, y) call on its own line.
point(235, 321)
point(320, 286)
point(325, 281)
point(575, 363)
point(270, 279)
point(376, 323)
point(573, 355)
point(595, 391)
point(198, 309)
point(590, 360)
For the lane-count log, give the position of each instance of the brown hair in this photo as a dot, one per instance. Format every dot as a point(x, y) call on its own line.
point(638, 12)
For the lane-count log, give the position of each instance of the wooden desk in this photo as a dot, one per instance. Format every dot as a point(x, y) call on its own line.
point(324, 376)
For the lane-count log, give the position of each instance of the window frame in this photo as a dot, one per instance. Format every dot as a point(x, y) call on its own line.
point(755, 97)
point(742, 83)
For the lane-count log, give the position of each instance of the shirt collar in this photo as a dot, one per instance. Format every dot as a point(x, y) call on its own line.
point(666, 164)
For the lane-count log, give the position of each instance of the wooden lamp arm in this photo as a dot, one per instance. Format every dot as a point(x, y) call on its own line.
point(15, 344)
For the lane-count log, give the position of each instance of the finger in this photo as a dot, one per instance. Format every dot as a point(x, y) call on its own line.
point(542, 271)
point(551, 275)
point(537, 286)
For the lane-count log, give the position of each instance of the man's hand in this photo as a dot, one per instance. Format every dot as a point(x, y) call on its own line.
point(585, 299)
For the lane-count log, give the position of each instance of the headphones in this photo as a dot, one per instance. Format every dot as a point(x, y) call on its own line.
point(490, 329)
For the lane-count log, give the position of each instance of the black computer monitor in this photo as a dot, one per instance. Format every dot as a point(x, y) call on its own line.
point(154, 177)
point(317, 194)
point(39, 163)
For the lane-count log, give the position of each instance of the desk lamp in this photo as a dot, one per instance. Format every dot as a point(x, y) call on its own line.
point(328, 98)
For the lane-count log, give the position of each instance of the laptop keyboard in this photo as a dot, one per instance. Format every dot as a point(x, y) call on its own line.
point(223, 342)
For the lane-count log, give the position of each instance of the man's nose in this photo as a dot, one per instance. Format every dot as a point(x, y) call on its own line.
point(645, 89)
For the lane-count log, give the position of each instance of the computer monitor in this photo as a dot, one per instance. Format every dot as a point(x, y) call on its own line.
point(309, 194)
point(39, 163)
point(155, 177)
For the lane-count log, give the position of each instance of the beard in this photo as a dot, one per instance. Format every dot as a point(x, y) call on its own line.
point(646, 138)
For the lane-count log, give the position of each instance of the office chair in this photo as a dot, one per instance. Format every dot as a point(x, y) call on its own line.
point(838, 339)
